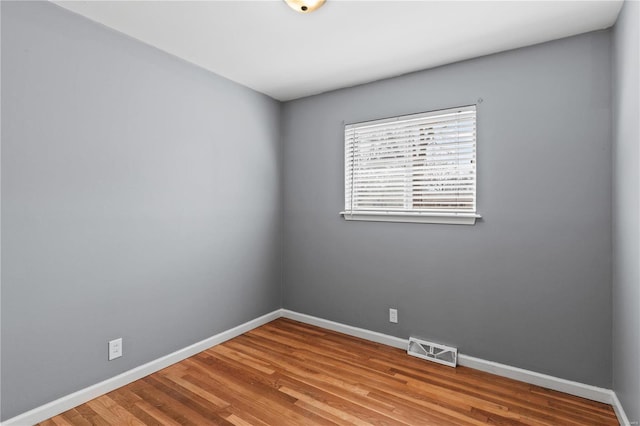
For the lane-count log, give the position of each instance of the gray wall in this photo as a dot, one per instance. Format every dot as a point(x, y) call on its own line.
point(140, 199)
point(530, 284)
point(626, 210)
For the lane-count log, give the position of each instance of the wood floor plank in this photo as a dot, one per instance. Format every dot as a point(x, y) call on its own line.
point(72, 416)
point(91, 416)
point(129, 401)
point(114, 413)
point(289, 373)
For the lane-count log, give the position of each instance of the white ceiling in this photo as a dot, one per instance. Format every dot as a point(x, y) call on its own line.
point(270, 48)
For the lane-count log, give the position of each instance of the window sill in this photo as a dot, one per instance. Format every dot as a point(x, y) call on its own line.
point(444, 218)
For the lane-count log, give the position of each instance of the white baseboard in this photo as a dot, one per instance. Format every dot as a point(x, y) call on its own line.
point(68, 402)
point(373, 336)
point(617, 407)
point(593, 393)
point(550, 382)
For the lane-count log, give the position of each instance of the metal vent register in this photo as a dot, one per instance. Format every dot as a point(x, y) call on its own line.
point(431, 351)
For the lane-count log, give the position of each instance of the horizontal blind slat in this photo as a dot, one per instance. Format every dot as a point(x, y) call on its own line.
point(441, 114)
point(422, 162)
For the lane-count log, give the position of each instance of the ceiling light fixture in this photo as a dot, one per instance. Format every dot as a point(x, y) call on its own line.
point(304, 6)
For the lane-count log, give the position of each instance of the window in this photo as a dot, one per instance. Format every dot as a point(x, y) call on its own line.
point(413, 168)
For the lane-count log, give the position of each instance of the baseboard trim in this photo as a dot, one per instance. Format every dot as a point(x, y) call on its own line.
point(594, 393)
point(373, 336)
point(582, 390)
point(65, 403)
point(617, 407)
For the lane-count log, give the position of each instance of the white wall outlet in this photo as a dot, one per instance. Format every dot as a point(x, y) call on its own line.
point(115, 349)
point(393, 315)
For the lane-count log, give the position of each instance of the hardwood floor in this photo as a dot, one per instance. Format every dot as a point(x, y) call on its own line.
point(289, 373)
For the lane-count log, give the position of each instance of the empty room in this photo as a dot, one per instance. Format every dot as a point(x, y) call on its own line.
point(310, 212)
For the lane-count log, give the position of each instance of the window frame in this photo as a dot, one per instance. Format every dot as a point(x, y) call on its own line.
point(453, 216)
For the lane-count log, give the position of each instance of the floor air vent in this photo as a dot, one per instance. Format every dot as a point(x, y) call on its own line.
point(433, 352)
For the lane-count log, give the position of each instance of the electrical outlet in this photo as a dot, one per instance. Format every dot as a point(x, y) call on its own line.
point(115, 349)
point(393, 315)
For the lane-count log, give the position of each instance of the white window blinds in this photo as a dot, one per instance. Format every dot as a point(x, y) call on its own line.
point(414, 166)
